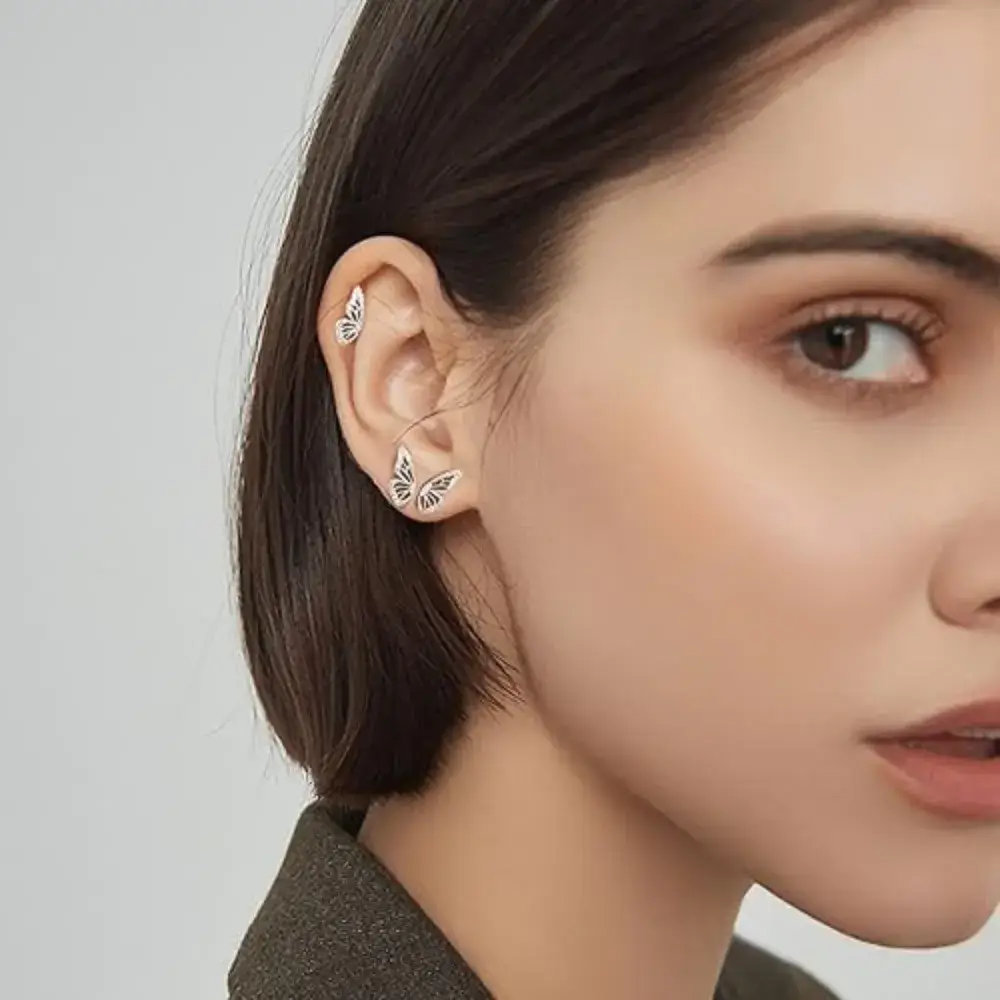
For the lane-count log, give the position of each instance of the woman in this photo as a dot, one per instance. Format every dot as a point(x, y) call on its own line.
point(618, 507)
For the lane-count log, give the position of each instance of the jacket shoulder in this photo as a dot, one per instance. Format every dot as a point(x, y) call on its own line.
point(752, 973)
point(336, 925)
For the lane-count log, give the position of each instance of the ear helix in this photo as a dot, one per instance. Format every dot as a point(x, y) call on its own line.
point(349, 328)
point(403, 488)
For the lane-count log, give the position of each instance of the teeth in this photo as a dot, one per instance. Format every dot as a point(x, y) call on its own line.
point(971, 732)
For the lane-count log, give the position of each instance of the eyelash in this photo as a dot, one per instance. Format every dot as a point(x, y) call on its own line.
point(919, 325)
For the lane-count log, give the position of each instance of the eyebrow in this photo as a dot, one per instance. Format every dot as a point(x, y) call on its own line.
point(968, 263)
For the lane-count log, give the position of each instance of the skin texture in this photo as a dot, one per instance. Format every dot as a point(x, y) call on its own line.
point(717, 567)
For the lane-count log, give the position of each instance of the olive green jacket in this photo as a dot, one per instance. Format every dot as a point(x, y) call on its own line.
point(336, 925)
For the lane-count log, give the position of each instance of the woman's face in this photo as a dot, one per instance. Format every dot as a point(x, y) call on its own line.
point(734, 554)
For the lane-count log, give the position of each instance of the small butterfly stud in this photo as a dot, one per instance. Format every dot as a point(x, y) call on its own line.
point(433, 492)
point(403, 483)
point(349, 328)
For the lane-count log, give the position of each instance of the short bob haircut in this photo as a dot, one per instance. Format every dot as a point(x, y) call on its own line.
point(477, 129)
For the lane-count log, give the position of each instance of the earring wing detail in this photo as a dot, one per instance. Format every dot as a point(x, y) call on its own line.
point(433, 492)
point(403, 483)
point(349, 328)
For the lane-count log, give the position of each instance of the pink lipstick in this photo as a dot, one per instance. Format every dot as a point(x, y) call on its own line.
point(949, 764)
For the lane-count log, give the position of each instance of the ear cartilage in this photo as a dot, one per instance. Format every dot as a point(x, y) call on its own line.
point(349, 328)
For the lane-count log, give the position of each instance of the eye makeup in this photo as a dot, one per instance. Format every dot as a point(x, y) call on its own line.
point(824, 347)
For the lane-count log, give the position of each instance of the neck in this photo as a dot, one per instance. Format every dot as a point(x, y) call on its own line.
point(553, 882)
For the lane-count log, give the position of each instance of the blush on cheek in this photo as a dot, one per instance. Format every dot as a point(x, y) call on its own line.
point(701, 537)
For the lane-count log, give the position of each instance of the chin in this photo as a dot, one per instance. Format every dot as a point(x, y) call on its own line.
point(915, 884)
point(902, 923)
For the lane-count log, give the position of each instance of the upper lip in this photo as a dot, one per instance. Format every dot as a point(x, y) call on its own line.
point(979, 715)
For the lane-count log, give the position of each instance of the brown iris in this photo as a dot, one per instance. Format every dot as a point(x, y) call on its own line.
point(837, 344)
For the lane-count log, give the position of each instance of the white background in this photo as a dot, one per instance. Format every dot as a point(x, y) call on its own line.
point(147, 153)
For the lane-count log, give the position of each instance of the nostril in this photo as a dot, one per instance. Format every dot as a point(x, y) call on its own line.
point(992, 607)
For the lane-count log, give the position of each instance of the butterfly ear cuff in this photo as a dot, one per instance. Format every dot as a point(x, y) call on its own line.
point(350, 326)
point(403, 485)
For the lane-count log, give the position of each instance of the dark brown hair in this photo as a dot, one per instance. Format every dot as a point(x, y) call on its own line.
point(475, 129)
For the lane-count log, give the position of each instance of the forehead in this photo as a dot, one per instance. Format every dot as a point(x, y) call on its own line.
point(902, 120)
point(905, 118)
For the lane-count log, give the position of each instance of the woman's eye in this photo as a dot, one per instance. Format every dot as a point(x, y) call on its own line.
point(863, 349)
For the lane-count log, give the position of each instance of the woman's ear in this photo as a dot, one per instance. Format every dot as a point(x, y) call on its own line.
point(397, 354)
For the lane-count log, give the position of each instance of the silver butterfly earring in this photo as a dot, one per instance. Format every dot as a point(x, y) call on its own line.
point(403, 484)
point(434, 491)
point(349, 328)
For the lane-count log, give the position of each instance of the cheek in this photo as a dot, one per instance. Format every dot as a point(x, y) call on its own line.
point(708, 592)
point(684, 550)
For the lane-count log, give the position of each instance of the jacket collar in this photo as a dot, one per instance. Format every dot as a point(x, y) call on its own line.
point(337, 925)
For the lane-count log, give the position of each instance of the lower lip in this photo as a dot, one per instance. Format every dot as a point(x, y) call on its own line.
point(961, 787)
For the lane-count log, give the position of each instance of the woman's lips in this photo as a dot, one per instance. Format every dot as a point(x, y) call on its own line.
point(953, 786)
point(980, 748)
point(979, 715)
point(942, 767)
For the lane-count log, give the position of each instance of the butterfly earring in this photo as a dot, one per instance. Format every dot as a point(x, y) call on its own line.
point(403, 484)
point(349, 328)
point(431, 495)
